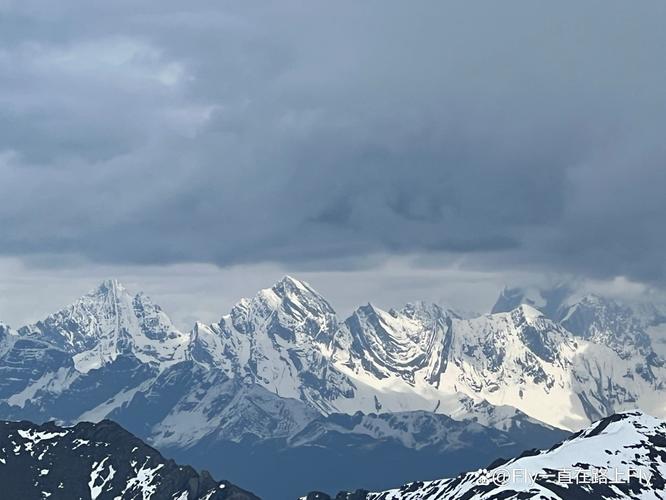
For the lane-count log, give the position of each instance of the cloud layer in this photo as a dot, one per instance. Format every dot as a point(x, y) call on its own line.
point(323, 135)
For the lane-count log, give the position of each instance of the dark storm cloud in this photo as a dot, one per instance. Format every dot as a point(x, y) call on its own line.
point(317, 133)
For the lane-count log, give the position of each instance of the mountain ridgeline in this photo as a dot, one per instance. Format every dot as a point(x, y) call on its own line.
point(284, 383)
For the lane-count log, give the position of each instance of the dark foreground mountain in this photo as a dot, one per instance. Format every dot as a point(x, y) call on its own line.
point(619, 457)
point(96, 462)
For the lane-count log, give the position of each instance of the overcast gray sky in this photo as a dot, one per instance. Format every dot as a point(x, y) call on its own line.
point(383, 150)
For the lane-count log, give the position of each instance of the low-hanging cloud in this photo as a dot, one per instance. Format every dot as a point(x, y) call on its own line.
point(517, 134)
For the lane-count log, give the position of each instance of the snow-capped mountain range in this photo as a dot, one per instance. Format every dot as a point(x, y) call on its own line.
point(619, 457)
point(281, 370)
point(563, 365)
point(424, 357)
point(98, 461)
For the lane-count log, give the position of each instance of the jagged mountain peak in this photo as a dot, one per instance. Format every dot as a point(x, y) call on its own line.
point(289, 296)
point(370, 308)
point(405, 343)
point(291, 308)
point(514, 321)
point(109, 286)
point(380, 318)
point(289, 284)
point(607, 321)
point(291, 291)
point(528, 312)
point(108, 293)
point(198, 326)
point(519, 358)
point(107, 322)
point(416, 311)
point(557, 301)
point(422, 310)
point(112, 291)
point(592, 316)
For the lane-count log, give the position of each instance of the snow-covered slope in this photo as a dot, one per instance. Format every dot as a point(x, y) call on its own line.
point(67, 395)
point(622, 456)
point(107, 322)
point(187, 404)
point(26, 361)
point(96, 461)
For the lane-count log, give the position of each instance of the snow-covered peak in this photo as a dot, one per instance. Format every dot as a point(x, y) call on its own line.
point(79, 326)
point(290, 285)
point(620, 456)
point(529, 312)
point(290, 289)
point(107, 322)
point(392, 329)
point(109, 290)
point(518, 326)
point(606, 321)
point(111, 286)
point(293, 293)
point(424, 311)
point(407, 343)
point(296, 311)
